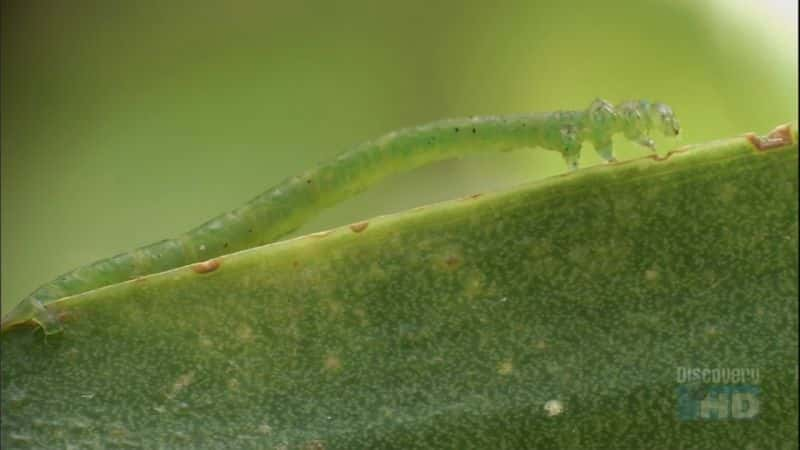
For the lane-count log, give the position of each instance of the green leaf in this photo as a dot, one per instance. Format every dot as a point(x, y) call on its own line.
point(559, 314)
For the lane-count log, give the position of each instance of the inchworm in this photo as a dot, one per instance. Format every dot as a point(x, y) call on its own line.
point(285, 207)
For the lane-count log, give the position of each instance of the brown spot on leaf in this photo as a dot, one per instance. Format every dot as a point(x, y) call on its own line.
point(653, 156)
point(181, 383)
point(651, 275)
point(207, 266)
point(314, 444)
point(678, 150)
point(420, 208)
point(452, 261)
point(66, 316)
point(505, 367)
point(359, 227)
point(683, 148)
point(669, 154)
point(320, 234)
point(245, 334)
point(780, 136)
point(332, 362)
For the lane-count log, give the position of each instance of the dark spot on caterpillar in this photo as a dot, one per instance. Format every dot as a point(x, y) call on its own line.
point(225, 245)
point(249, 230)
point(359, 227)
point(456, 129)
point(308, 181)
point(473, 130)
point(295, 264)
point(206, 266)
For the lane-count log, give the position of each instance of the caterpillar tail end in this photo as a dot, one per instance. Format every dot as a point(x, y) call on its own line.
point(32, 311)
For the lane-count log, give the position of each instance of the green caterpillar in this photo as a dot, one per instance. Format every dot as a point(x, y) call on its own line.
point(285, 207)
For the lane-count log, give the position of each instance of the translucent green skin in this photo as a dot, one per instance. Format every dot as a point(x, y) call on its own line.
point(285, 207)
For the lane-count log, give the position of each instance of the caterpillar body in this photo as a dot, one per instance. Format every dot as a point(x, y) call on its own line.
point(285, 207)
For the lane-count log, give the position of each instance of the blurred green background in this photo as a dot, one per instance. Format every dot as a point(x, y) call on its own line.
point(128, 122)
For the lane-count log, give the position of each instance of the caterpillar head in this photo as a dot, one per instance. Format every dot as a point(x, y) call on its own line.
point(639, 118)
point(662, 116)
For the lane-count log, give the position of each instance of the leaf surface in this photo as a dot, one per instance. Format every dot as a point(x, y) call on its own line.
point(555, 315)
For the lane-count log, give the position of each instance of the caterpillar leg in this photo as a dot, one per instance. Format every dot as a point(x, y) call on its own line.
point(639, 137)
point(601, 122)
point(572, 161)
point(45, 318)
point(605, 150)
point(571, 141)
point(647, 142)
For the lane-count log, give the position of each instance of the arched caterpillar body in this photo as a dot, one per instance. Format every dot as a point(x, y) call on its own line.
point(285, 207)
